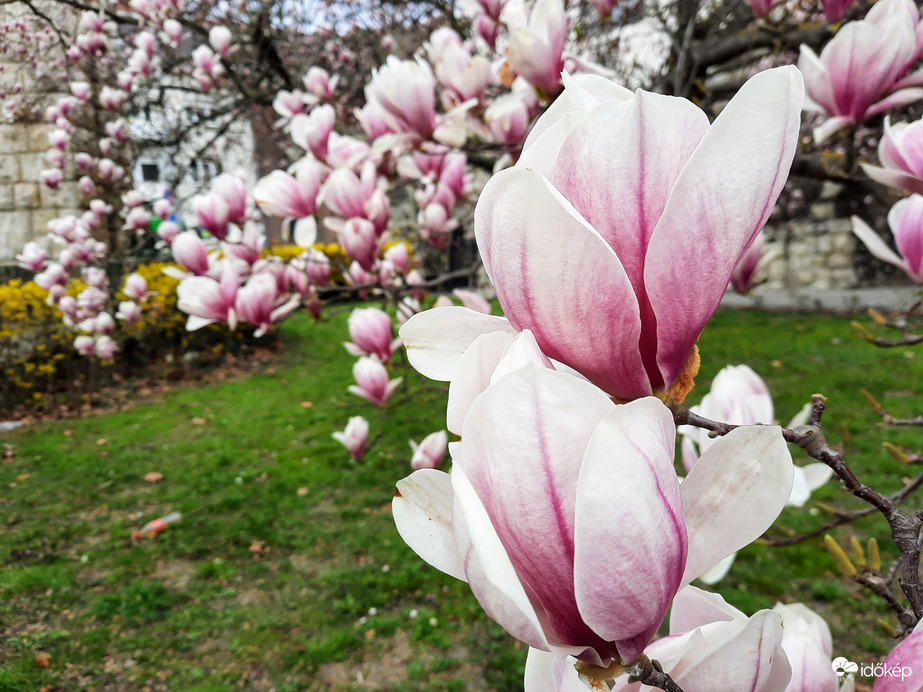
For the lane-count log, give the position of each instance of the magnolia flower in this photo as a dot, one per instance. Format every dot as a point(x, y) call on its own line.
point(405, 89)
point(189, 250)
point(32, 258)
point(312, 132)
point(283, 194)
point(429, 453)
point(354, 437)
point(372, 381)
point(259, 302)
point(712, 647)
point(901, 154)
point(370, 331)
point(319, 83)
point(901, 663)
point(206, 300)
point(129, 312)
point(750, 266)
point(536, 51)
point(614, 237)
point(557, 547)
point(906, 222)
point(859, 72)
point(135, 287)
point(807, 642)
point(84, 345)
point(105, 347)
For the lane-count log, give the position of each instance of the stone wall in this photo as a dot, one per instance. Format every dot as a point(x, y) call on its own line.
point(26, 206)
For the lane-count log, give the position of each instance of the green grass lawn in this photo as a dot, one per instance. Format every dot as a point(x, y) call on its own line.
point(286, 571)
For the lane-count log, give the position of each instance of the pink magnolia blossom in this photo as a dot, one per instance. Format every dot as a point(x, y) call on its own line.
point(86, 186)
point(536, 51)
point(81, 91)
point(32, 257)
point(901, 154)
point(370, 331)
point(257, 302)
point(189, 250)
point(405, 89)
point(51, 178)
point(84, 345)
point(360, 242)
point(509, 116)
point(901, 663)
point(906, 222)
point(429, 453)
point(318, 267)
point(129, 312)
point(712, 647)
point(284, 194)
point(835, 9)
point(354, 437)
point(312, 132)
point(167, 231)
point(320, 84)
point(135, 287)
point(861, 71)
point(352, 196)
point(288, 104)
point(749, 266)
point(53, 275)
point(473, 301)
point(487, 29)
point(464, 75)
point(233, 191)
point(138, 219)
point(808, 645)
point(372, 381)
point(112, 99)
point(593, 565)
point(206, 300)
point(105, 347)
point(399, 256)
point(96, 277)
point(213, 213)
point(219, 38)
point(593, 253)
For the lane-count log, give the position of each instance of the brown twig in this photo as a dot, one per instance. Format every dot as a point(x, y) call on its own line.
point(905, 528)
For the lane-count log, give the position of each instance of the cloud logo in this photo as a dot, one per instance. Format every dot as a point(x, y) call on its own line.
point(841, 666)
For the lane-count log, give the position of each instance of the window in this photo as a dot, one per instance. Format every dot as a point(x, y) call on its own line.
point(150, 172)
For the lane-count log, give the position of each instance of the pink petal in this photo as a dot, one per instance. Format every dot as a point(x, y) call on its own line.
point(892, 178)
point(423, 509)
point(618, 166)
point(437, 338)
point(719, 203)
point(874, 243)
point(525, 472)
point(630, 539)
point(555, 275)
point(694, 607)
point(908, 653)
point(750, 661)
point(734, 493)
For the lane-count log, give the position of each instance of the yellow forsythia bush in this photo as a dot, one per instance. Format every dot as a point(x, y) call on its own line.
point(37, 357)
point(34, 343)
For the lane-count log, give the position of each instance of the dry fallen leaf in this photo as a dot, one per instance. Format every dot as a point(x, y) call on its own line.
point(101, 441)
point(23, 477)
point(259, 547)
point(199, 421)
point(43, 660)
point(68, 433)
point(777, 363)
point(307, 404)
point(301, 491)
point(153, 477)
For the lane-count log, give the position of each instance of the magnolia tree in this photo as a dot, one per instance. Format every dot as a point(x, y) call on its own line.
point(610, 226)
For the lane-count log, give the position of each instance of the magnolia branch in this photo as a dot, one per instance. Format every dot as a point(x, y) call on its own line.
point(844, 517)
point(906, 528)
